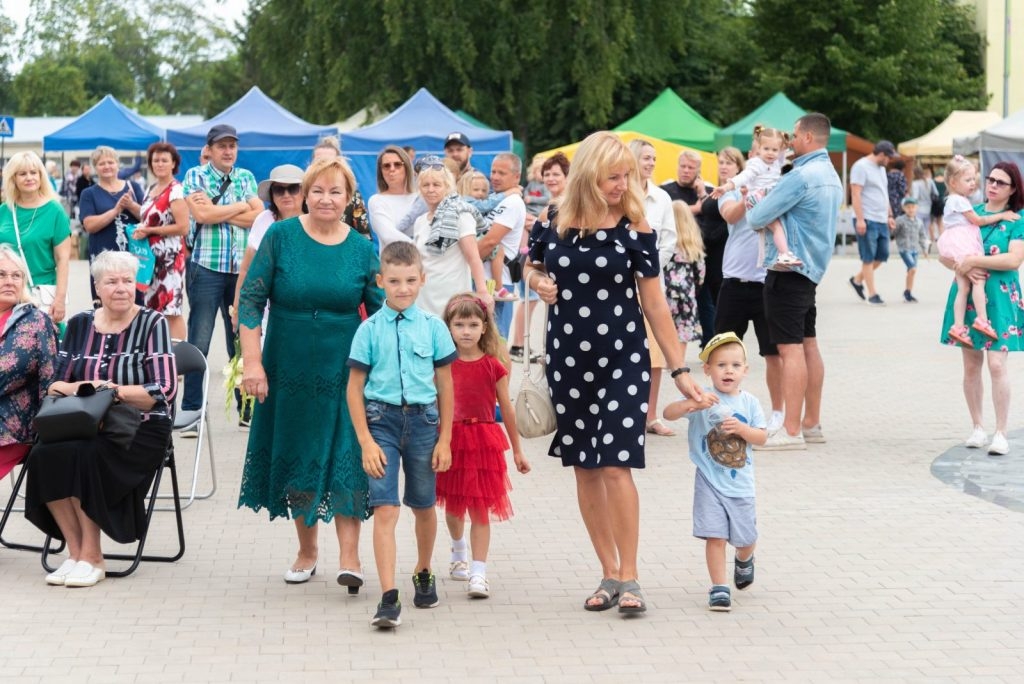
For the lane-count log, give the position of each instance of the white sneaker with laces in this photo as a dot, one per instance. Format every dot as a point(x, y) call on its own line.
point(813, 435)
point(977, 438)
point(478, 587)
point(780, 440)
point(999, 445)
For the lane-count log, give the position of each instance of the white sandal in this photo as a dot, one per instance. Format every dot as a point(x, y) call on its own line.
point(656, 427)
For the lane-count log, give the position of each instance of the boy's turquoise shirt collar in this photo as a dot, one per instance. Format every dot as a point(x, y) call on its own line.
point(390, 314)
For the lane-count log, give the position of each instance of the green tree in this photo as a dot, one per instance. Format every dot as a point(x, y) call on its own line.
point(7, 99)
point(47, 87)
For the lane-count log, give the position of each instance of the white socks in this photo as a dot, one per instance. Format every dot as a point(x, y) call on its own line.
point(459, 550)
point(478, 568)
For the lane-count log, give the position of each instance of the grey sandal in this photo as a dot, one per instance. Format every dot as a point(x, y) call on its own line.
point(630, 591)
point(607, 593)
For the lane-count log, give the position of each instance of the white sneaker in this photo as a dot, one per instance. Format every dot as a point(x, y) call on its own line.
point(478, 587)
point(57, 577)
point(775, 422)
point(977, 439)
point(780, 440)
point(999, 445)
point(459, 570)
point(813, 435)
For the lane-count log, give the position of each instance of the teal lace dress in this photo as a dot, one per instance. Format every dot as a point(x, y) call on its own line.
point(303, 458)
point(1002, 290)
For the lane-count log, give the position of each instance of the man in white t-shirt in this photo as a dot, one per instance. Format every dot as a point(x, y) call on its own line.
point(873, 220)
point(507, 221)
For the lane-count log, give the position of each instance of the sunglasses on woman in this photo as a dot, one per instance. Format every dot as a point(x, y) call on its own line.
point(280, 190)
point(392, 166)
point(998, 183)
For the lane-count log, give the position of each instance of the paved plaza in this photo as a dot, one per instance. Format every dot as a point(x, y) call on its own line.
point(870, 567)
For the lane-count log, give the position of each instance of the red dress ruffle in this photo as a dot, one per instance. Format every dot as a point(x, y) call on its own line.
point(477, 481)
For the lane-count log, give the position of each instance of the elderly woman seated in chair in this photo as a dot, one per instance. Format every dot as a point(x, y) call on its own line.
point(28, 346)
point(78, 488)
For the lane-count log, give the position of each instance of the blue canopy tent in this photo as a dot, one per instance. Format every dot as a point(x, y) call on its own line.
point(422, 122)
point(268, 135)
point(108, 122)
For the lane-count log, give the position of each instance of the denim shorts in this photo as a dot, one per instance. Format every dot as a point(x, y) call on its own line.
point(716, 516)
point(873, 245)
point(910, 259)
point(407, 436)
point(521, 287)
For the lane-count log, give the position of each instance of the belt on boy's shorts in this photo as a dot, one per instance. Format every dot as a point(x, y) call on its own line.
point(407, 408)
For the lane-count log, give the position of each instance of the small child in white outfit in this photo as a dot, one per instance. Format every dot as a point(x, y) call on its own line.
point(762, 173)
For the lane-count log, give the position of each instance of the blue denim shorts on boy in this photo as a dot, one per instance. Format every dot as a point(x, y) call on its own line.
point(407, 436)
point(910, 259)
point(873, 245)
point(716, 516)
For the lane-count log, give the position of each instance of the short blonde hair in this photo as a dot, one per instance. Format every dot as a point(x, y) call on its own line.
point(734, 155)
point(444, 174)
point(7, 253)
point(101, 152)
point(25, 161)
point(322, 167)
point(112, 261)
point(465, 183)
point(582, 205)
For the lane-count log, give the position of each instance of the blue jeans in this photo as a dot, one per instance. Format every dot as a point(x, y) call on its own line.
point(407, 436)
point(503, 313)
point(208, 291)
point(873, 245)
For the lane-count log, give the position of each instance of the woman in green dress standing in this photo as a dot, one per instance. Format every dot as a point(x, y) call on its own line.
point(303, 460)
point(1003, 253)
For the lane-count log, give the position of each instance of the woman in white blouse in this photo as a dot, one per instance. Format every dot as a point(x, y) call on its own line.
point(394, 196)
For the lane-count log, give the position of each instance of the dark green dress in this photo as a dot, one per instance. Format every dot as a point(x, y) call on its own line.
point(1005, 306)
point(303, 458)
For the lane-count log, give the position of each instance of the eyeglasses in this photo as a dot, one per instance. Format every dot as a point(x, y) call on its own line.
point(391, 166)
point(998, 183)
point(16, 276)
point(279, 190)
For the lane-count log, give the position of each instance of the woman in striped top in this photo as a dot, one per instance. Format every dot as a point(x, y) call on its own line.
point(78, 488)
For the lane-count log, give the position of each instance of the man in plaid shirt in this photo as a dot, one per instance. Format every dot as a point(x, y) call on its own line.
point(223, 203)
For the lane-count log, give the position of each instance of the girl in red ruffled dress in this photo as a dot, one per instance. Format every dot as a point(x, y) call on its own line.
point(477, 481)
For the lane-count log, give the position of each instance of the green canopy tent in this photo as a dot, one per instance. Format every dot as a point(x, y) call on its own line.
point(777, 112)
point(668, 117)
point(517, 146)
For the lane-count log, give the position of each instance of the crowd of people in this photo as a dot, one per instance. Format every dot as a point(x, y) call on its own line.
point(378, 338)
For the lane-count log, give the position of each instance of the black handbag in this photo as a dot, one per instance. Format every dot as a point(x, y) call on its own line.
point(120, 423)
point(79, 416)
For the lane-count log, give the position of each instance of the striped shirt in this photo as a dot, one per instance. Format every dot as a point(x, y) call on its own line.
point(140, 354)
point(219, 246)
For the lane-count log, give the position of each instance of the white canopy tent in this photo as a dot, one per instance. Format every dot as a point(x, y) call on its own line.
point(1003, 141)
point(938, 142)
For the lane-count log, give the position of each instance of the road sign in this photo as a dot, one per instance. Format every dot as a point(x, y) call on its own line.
point(6, 126)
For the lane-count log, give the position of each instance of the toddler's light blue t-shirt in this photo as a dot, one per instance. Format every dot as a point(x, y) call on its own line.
point(733, 482)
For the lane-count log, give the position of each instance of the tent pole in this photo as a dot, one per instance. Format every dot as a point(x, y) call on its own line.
point(844, 177)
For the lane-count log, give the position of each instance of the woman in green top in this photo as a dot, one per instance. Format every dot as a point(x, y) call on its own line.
point(1003, 254)
point(33, 222)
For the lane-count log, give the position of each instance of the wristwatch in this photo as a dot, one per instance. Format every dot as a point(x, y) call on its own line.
point(679, 371)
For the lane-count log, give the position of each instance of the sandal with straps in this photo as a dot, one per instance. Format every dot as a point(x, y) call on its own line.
point(656, 427)
point(630, 591)
point(607, 594)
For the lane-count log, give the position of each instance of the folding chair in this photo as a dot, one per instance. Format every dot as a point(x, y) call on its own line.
point(139, 556)
point(190, 360)
point(11, 508)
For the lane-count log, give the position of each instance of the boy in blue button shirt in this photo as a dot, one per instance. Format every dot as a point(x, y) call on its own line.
point(720, 436)
point(401, 401)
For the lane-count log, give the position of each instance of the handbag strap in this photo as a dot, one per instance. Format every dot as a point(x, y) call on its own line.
point(526, 319)
point(17, 235)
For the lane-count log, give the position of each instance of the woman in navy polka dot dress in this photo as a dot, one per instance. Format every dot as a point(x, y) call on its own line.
point(598, 363)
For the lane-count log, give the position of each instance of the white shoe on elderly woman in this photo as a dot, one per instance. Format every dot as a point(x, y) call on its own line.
point(999, 445)
point(977, 439)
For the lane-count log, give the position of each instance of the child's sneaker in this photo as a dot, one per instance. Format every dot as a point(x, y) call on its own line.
point(789, 260)
point(720, 599)
point(743, 573)
point(389, 611)
point(516, 353)
point(909, 298)
point(426, 589)
point(503, 295)
point(985, 328)
point(478, 587)
point(960, 334)
point(459, 570)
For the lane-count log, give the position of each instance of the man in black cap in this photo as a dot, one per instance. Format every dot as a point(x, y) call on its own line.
point(458, 149)
point(223, 201)
point(873, 220)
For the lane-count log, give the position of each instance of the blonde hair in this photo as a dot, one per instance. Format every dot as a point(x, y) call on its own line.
point(689, 242)
point(468, 305)
point(956, 167)
point(25, 161)
point(101, 152)
point(111, 261)
point(433, 172)
point(329, 142)
point(582, 205)
point(734, 155)
point(321, 167)
point(534, 172)
point(7, 253)
point(465, 184)
point(761, 132)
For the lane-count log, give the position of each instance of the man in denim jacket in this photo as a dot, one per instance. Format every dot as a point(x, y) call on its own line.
point(807, 201)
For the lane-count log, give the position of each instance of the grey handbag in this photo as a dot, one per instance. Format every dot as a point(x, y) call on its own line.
point(535, 413)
